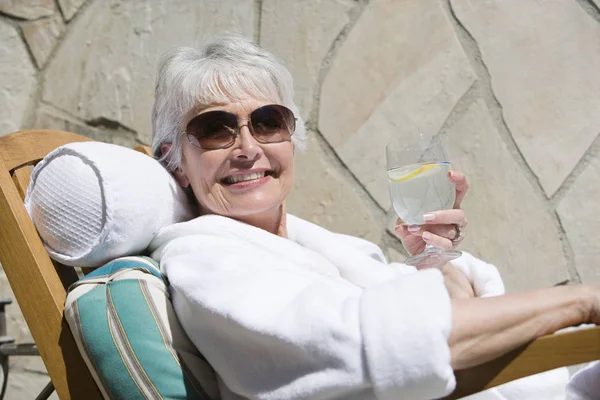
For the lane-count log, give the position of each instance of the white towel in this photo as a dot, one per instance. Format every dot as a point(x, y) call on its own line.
point(311, 317)
point(320, 315)
point(585, 384)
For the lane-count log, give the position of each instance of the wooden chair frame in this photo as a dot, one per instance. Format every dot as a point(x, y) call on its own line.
point(39, 286)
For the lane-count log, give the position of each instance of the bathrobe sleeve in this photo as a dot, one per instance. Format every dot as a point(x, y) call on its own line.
point(271, 331)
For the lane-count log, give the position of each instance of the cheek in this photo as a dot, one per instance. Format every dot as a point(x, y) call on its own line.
point(200, 169)
point(287, 165)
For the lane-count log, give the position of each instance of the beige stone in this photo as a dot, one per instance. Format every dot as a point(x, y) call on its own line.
point(302, 32)
point(509, 225)
point(544, 69)
point(70, 7)
point(578, 212)
point(17, 79)
point(27, 9)
point(26, 385)
point(386, 82)
point(324, 196)
point(106, 66)
point(50, 118)
point(42, 35)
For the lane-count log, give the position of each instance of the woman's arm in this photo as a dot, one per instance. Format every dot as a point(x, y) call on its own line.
point(483, 329)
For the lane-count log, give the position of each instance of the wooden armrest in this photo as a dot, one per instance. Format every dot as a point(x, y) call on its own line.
point(543, 354)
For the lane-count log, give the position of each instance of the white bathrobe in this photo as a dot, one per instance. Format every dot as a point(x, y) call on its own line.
point(316, 316)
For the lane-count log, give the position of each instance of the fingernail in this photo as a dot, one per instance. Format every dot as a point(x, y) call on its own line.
point(428, 217)
point(450, 174)
point(426, 235)
point(414, 228)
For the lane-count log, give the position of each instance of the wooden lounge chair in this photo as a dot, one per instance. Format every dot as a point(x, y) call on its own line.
point(39, 285)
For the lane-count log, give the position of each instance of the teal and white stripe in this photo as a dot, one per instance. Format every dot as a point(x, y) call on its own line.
point(126, 337)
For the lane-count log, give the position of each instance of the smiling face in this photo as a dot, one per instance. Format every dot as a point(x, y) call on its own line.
point(248, 180)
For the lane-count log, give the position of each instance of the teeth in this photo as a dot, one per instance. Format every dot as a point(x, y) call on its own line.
point(244, 177)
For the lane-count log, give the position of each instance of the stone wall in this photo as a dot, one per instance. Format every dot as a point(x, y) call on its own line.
point(513, 85)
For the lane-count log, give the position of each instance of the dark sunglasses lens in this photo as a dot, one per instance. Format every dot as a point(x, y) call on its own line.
point(272, 123)
point(212, 129)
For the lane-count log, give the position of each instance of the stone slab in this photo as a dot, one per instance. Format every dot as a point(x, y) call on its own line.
point(48, 117)
point(28, 9)
point(70, 7)
point(544, 71)
point(509, 224)
point(386, 83)
point(323, 195)
point(578, 212)
point(301, 33)
point(42, 36)
point(17, 79)
point(94, 76)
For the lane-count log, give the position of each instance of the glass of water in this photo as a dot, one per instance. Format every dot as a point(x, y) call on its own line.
point(417, 169)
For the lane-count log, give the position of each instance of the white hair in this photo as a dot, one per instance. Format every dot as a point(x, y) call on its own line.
point(228, 69)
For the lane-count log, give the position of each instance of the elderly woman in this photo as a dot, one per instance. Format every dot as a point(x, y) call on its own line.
point(284, 309)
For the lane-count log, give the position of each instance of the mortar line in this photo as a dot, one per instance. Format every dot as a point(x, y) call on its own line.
point(471, 48)
point(590, 8)
point(493, 104)
point(313, 118)
point(592, 151)
point(60, 11)
point(470, 96)
point(334, 159)
point(568, 251)
point(13, 17)
point(258, 20)
point(312, 121)
point(65, 34)
point(354, 14)
point(19, 30)
point(37, 96)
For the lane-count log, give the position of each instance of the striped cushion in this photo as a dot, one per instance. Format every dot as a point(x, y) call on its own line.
point(124, 325)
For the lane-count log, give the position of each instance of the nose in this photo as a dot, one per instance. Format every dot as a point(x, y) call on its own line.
point(248, 148)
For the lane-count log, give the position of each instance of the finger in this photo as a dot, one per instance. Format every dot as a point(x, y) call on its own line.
point(402, 231)
point(445, 231)
point(448, 217)
point(462, 186)
point(437, 241)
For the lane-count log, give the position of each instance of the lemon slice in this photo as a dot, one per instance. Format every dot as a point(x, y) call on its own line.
point(412, 174)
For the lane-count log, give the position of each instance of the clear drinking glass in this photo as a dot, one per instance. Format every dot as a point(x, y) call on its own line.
point(417, 168)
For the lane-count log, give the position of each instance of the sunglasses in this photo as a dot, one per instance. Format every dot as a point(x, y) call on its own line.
point(218, 129)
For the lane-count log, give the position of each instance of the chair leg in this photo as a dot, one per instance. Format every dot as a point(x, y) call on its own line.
point(46, 392)
point(4, 357)
point(4, 365)
point(9, 348)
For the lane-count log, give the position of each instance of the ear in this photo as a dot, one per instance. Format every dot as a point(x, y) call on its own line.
point(181, 178)
point(179, 174)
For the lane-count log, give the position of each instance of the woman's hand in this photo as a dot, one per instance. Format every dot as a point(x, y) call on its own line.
point(456, 283)
point(442, 228)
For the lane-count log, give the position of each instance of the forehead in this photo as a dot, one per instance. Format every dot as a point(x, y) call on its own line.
point(240, 106)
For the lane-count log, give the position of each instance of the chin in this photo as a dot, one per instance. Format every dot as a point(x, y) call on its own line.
point(246, 209)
